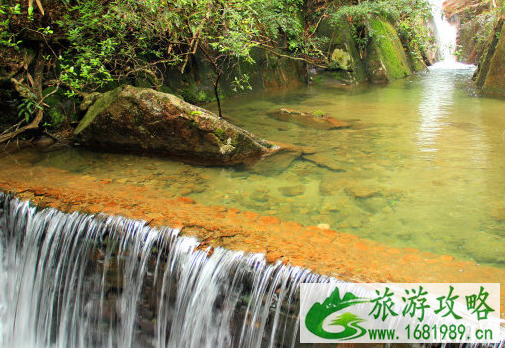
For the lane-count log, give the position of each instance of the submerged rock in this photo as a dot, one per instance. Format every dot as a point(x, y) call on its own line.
point(291, 191)
point(316, 120)
point(143, 120)
point(325, 160)
point(331, 184)
point(498, 213)
point(359, 191)
point(279, 159)
point(43, 142)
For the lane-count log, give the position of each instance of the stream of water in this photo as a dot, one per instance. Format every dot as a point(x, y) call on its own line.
point(421, 166)
point(78, 281)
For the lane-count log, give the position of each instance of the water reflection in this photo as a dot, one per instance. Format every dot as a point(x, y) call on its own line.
point(437, 104)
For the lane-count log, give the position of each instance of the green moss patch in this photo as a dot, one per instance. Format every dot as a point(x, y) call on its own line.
point(388, 49)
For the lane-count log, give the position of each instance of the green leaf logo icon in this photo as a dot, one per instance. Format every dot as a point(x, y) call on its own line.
point(349, 321)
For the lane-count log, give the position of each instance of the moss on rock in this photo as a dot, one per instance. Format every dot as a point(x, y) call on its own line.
point(143, 120)
point(383, 59)
point(348, 57)
point(386, 59)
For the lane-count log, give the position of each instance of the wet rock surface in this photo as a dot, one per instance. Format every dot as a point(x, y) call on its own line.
point(316, 120)
point(491, 72)
point(146, 121)
point(291, 191)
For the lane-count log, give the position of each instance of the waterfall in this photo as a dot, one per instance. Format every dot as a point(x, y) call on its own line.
point(75, 280)
point(446, 33)
point(446, 37)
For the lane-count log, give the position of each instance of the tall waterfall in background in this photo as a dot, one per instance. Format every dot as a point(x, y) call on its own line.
point(446, 34)
point(73, 280)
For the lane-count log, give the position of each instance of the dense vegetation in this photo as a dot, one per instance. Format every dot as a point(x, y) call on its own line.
point(61, 49)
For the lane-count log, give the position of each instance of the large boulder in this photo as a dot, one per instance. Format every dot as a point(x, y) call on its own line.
point(142, 120)
point(386, 59)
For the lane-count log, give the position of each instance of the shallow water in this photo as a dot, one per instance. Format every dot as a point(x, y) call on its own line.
point(421, 166)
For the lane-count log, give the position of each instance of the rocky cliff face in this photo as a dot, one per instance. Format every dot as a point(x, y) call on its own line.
point(490, 75)
point(474, 19)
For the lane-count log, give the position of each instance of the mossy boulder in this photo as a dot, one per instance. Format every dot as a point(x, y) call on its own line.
point(142, 120)
point(343, 54)
point(383, 59)
point(386, 59)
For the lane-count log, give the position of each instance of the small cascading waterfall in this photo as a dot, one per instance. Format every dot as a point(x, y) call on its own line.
point(446, 34)
point(74, 280)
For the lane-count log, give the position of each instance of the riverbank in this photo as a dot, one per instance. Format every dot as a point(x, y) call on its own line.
point(325, 251)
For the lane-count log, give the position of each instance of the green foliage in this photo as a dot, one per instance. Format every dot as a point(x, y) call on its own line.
point(125, 37)
point(241, 83)
point(319, 113)
point(27, 107)
point(409, 17)
point(93, 44)
point(8, 38)
point(193, 94)
point(55, 119)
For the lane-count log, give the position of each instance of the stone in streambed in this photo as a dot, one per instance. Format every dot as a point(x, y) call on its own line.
point(498, 213)
point(273, 255)
point(359, 191)
point(484, 247)
point(279, 159)
point(260, 195)
point(331, 184)
point(325, 160)
point(306, 119)
point(143, 120)
point(275, 163)
point(291, 191)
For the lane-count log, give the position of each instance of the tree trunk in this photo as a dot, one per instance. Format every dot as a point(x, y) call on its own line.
point(216, 93)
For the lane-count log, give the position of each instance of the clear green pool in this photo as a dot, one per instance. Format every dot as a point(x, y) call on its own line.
point(422, 166)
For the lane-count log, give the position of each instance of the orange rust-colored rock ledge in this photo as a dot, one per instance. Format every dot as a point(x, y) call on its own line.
point(322, 250)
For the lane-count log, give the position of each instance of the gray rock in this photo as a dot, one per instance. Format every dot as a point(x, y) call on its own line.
point(143, 120)
point(291, 191)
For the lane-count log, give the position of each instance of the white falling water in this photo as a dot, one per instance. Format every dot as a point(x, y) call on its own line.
point(78, 281)
point(446, 36)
